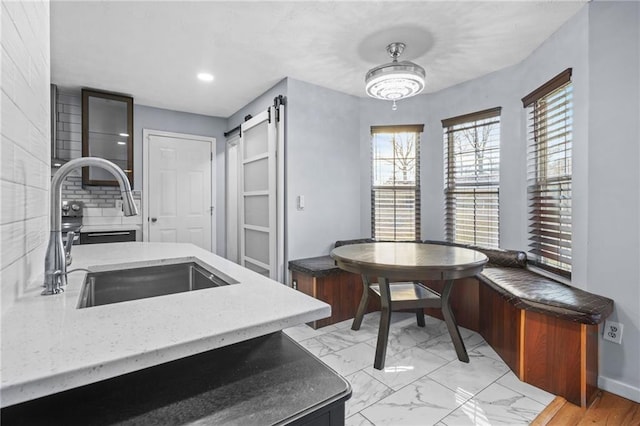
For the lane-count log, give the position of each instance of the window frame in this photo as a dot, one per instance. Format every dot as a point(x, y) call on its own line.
point(550, 196)
point(417, 129)
point(488, 189)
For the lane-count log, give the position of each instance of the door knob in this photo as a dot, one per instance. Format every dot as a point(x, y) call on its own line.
point(154, 219)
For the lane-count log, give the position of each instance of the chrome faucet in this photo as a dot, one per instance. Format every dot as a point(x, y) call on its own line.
point(58, 257)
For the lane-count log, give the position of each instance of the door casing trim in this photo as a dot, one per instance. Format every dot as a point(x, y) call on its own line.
point(146, 134)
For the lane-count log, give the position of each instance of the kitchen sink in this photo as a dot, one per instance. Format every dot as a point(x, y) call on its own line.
point(132, 283)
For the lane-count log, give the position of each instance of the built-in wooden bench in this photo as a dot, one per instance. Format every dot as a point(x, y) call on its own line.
point(319, 277)
point(544, 330)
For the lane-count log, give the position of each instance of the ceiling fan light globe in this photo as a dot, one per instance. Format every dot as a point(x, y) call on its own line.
point(395, 80)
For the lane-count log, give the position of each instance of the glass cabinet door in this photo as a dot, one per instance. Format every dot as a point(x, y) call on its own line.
point(107, 132)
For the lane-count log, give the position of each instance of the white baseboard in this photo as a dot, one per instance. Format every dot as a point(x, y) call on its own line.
point(617, 387)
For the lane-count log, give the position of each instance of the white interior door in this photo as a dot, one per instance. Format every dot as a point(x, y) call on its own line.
point(232, 199)
point(258, 194)
point(178, 187)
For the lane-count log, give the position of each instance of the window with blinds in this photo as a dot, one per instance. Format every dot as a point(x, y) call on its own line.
point(472, 178)
point(395, 186)
point(550, 126)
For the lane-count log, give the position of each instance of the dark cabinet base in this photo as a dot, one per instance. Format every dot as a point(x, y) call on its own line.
point(107, 237)
point(263, 381)
point(341, 290)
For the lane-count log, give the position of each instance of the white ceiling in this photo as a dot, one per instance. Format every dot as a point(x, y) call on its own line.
point(153, 50)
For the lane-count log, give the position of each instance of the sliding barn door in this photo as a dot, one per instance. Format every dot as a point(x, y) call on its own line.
point(258, 194)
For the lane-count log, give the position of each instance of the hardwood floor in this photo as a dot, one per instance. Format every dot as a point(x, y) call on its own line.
point(606, 409)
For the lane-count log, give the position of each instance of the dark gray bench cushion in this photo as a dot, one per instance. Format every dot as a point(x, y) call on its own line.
point(320, 266)
point(533, 292)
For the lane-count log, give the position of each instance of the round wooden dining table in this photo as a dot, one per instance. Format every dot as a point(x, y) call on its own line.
point(399, 267)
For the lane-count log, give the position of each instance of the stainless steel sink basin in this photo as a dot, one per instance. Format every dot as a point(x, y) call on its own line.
point(113, 286)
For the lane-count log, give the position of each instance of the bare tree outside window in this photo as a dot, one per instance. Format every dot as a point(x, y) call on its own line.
point(472, 144)
point(395, 193)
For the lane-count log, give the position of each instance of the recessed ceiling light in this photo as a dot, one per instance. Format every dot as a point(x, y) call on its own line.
point(121, 143)
point(124, 135)
point(205, 76)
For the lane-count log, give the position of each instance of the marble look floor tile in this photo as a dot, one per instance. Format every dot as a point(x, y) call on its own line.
point(470, 377)
point(423, 402)
point(397, 342)
point(343, 324)
point(357, 420)
point(405, 367)
point(316, 347)
point(350, 360)
point(303, 331)
point(486, 350)
point(398, 318)
point(495, 405)
point(511, 381)
point(421, 334)
point(342, 339)
point(443, 346)
point(300, 332)
point(366, 391)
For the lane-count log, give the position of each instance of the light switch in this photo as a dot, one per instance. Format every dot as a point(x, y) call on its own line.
point(300, 202)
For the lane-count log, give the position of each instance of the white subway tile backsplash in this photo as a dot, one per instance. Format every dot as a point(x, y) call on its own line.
point(132, 220)
point(14, 123)
point(7, 148)
point(21, 237)
point(70, 109)
point(9, 76)
point(73, 99)
point(22, 202)
point(69, 118)
point(25, 172)
point(31, 170)
point(16, 276)
point(37, 141)
point(102, 220)
point(12, 42)
point(69, 136)
point(112, 211)
point(91, 211)
point(70, 127)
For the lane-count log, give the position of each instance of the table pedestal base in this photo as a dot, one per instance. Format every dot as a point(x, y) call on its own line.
point(407, 296)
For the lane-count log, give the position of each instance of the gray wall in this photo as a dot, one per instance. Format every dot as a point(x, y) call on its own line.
point(602, 45)
point(323, 160)
point(613, 245)
point(145, 117)
point(259, 104)
point(322, 163)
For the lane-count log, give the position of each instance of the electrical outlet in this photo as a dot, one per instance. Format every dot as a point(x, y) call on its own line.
point(119, 205)
point(613, 331)
point(294, 284)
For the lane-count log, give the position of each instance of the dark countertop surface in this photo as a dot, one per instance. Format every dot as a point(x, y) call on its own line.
point(320, 266)
point(263, 381)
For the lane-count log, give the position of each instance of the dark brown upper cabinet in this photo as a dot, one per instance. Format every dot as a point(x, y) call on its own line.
point(107, 132)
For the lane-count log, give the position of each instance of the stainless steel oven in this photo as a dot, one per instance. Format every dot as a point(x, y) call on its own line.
point(107, 237)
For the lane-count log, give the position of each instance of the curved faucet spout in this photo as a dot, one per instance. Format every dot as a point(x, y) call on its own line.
point(55, 265)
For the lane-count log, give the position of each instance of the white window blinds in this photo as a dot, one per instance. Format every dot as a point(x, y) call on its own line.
point(550, 128)
point(395, 189)
point(472, 176)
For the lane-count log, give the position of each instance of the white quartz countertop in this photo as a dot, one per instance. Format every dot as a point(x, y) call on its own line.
point(48, 345)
